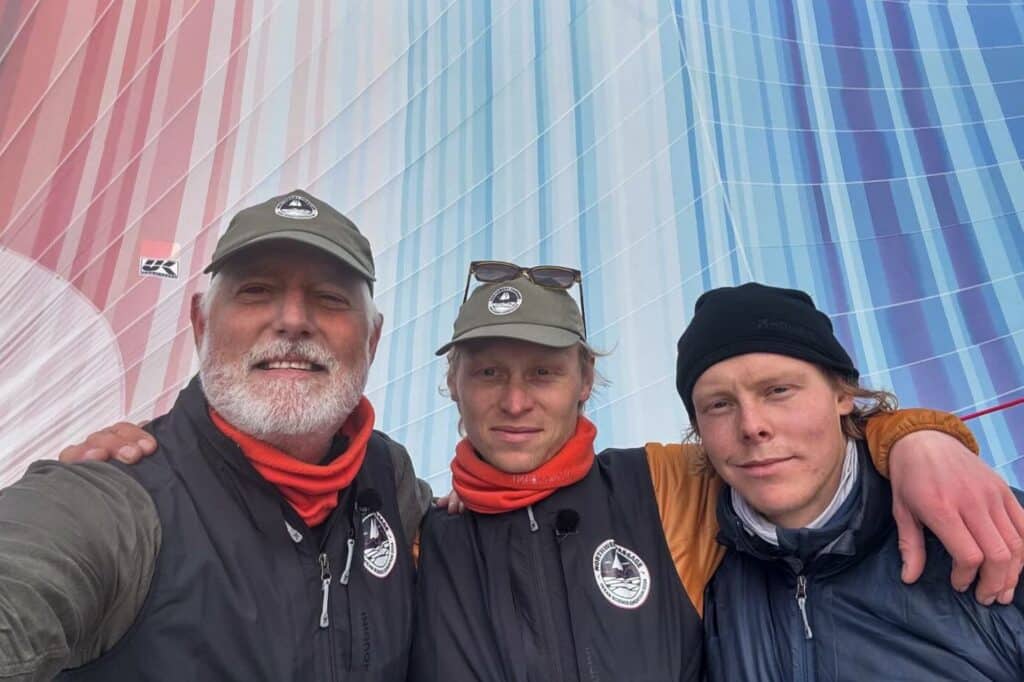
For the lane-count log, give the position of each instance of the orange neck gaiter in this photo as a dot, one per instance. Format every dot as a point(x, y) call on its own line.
point(311, 489)
point(487, 490)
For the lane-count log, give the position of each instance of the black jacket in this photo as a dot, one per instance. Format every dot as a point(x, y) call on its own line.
point(863, 623)
point(239, 587)
point(585, 590)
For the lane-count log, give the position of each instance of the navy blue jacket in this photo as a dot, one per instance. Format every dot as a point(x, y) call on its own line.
point(862, 621)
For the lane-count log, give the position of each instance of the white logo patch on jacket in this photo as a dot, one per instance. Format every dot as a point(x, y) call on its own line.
point(379, 546)
point(621, 575)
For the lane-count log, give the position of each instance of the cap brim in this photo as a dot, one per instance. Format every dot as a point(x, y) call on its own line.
point(552, 337)
point(308, 238)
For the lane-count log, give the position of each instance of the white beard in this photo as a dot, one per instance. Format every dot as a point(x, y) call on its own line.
point(279, 410)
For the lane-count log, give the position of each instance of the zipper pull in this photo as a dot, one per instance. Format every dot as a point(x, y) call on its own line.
point(351, 544)
point(534, 526)
point(801, 601)
point(325, 588)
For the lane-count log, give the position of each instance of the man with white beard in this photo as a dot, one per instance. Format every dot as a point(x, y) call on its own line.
point(268, 537)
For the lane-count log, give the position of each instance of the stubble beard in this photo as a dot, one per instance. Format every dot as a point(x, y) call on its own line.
point(279, 410)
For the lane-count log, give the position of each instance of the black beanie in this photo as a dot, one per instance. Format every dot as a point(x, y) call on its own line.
point(754, 318)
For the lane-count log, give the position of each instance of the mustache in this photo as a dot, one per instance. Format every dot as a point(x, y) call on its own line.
point(306, 350)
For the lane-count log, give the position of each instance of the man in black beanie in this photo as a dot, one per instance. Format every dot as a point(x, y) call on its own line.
point(754, 318)
point(807, 587)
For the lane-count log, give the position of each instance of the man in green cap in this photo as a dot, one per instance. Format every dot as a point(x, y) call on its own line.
point(268, 537)
point(567, 565)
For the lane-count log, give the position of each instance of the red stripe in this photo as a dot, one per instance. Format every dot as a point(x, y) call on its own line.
point(990, 410)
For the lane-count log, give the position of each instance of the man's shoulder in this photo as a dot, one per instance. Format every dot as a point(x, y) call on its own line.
point(384, 446)
point(441, 527)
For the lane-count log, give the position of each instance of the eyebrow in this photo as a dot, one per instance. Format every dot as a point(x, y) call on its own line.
point(781, 378)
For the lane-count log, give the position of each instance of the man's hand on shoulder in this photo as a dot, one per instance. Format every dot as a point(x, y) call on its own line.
point(451, 502)
point(123, 441)
point(940, 484)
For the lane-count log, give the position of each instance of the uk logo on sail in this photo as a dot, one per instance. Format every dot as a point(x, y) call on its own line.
point(621, 575)
point(158, 267)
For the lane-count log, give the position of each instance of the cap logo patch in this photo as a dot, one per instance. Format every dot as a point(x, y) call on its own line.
point(296, 207)
point(621, 575)
point(379, 546)
point(504, 300)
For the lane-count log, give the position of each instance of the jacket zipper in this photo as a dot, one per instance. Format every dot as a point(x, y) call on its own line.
point(325, 589)
point(544, 603)
point(350, 545)
point(801, 602)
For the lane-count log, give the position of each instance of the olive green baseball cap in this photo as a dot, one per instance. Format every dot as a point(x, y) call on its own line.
point(297, 216)
point(519, 309)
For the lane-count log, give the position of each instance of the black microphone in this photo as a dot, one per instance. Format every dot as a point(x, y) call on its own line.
point(566, 522)
point(368, 500)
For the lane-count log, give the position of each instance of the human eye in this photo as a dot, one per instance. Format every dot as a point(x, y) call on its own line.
point(333, 299)
point(253, 290)
point(779, 391)
point(715, 406)
point(485, 372)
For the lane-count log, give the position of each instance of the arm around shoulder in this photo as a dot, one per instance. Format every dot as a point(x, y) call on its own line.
point(884, 429)
point(78, 547)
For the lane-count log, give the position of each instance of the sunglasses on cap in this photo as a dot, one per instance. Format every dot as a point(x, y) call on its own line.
point(548, 276)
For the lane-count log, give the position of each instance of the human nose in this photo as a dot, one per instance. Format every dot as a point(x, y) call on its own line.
point(753, 423)
point(515, 398)
point(293, 316)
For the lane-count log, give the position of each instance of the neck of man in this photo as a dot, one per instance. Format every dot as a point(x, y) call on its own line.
point(832, 496)
point(311, 448)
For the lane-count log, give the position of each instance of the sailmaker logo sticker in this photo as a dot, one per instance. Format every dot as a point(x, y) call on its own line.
point(621, 575)
point(505, 300)
point(158, 267)
point(379, 546)
point(297, 207)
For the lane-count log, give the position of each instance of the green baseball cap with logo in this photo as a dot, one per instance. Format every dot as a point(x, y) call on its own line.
point(519, 309)
point(297, 216)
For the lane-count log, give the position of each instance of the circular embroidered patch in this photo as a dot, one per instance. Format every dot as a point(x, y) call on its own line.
point(504, 300)
point(621, 575)
point(379, 546)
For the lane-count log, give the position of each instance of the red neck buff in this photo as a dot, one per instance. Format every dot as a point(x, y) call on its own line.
point(311, 489)
point(487, 490)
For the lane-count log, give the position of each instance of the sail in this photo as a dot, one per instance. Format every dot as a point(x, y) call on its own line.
point(869, 153)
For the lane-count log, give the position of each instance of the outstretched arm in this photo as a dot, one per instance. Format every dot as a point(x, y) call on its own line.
point(78, 547)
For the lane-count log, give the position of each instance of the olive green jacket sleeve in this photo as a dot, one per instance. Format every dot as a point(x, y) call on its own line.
point(78, 547)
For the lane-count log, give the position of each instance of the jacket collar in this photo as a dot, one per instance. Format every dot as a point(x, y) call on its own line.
point(254, 493)
point(868, 523)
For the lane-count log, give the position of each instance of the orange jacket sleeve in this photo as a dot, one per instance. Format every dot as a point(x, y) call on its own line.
point(686, 490)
